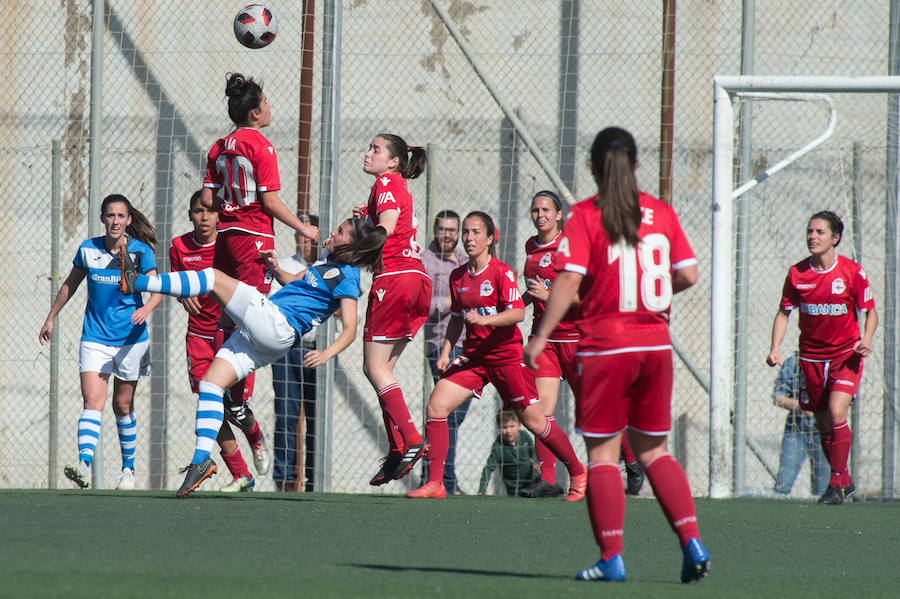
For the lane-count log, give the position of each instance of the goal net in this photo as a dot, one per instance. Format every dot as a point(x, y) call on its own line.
point(785, 148)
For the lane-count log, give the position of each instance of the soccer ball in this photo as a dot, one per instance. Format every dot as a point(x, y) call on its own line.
point(255, 26)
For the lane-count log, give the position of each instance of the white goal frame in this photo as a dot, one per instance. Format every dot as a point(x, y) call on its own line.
point(722, 364)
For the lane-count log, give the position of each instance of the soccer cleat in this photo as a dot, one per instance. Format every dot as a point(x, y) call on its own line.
point(577, 486)
point(239, 413)
point(261, 459)
point(696, 561)
point(196, 474)
point(413, 454)
point(635, 478)
point(611, 570)
point(540, 490)
point(430, 490)
point(240, 483)
point(126, 481)
point(127, 270)
point(849, 491)
point(389, 465)
point(80, 474)
point(833, 495)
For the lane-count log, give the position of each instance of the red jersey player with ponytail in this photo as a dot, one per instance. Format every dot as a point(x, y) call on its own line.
point(828, 290)
point(242, 184)
point(400, 296)
point(558, 358)
point(624, 254)
point(485, 298)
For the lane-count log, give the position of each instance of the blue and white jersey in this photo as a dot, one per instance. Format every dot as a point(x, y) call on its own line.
point(312, 299)
point(107, 316)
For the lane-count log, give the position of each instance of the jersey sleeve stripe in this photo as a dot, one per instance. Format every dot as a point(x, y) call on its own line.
point(684, 263)
point(575, 268)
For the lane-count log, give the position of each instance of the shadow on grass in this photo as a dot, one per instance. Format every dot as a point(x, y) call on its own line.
point(438, 569)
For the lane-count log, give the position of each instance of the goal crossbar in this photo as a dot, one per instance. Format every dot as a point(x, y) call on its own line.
point(722, 365)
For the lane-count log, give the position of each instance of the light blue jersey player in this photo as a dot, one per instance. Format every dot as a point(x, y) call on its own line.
point(114, 334)
point(268, 327)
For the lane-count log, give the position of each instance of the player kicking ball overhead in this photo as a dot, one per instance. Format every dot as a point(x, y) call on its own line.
point(484, 297)
point(268, 327)
point(828, 290)
point(624, 253)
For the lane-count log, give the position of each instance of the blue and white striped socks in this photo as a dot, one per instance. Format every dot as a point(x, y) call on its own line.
point(210, 414)
point(180, 283)
point(127, 426)
point(88, 433)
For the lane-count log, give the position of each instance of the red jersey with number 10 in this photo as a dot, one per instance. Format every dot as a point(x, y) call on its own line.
point(489, 291)
point(401, 252)
point(186, 254)
point(242, 165)
point(828, 301)
point(539, 265)
point(626, 291)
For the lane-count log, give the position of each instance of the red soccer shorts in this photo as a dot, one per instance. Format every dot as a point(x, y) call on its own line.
point(237, 255)
point(632, 389)
point(398, 306)
point(200, 355)
point(838, 374)
point(557, 361)
point(513, 381)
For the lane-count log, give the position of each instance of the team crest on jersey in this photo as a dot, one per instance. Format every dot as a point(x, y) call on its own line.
point(486, 288)
point(837, 286)
point(545, 260)
point(332, 274)
point(380, 294)
point(385, 180)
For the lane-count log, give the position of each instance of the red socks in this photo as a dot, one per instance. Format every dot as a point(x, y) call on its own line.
point(394, 406)
point(236, 464)
point(627, 454)
point(546, 459)
point(839, 452)
point(558, 443)
point(671, 488)
point(438, 434)
point(606, 506)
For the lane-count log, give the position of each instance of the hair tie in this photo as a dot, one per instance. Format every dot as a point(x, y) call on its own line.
point(615, 143)
point(408, 149)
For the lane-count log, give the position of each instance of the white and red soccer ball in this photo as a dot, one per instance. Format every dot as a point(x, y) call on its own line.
point(255, 26)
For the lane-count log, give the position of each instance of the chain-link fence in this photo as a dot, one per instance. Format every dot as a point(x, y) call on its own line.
point(514, 114)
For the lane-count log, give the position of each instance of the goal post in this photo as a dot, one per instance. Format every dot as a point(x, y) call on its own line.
point(727, 89)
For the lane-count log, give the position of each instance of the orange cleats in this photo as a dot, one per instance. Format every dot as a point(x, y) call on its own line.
point(577, 486)
point(430, 490)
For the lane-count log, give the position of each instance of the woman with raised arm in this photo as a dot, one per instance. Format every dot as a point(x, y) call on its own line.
point(114, 339)
point(624, 254)
point(829, 291)
point(400, 296)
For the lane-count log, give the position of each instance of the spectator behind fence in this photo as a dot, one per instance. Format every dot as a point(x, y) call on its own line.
point(295, 390)
point(801, 437)
point(441, 257)
point(514, 453)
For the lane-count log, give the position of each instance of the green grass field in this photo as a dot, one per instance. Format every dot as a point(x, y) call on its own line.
point(142, 544)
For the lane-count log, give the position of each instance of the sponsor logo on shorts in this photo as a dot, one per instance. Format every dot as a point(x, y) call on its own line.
point(837, 286)
point(824, 309)
point(545, 260)
point(486, 288)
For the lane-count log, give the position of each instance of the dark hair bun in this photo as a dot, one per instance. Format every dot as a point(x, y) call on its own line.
point(235, 84)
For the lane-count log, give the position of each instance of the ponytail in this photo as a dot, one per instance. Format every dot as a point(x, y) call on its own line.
point(365, 249)
point(413, 159)
point(140, 227)
point(613, 159)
